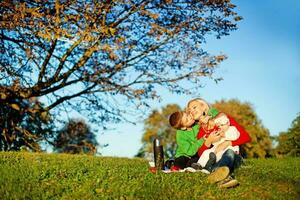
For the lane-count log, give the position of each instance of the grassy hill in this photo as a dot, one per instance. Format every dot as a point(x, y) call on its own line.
point(52, 176)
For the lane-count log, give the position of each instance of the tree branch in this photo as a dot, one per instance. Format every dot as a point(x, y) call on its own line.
point(131, 11)
point(46, 61)
point(59, 101)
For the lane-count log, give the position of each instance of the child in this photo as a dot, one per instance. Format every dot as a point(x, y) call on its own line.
point(227, 133)
point(186, 138)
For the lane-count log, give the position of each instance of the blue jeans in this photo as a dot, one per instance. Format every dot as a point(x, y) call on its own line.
point(230, 160)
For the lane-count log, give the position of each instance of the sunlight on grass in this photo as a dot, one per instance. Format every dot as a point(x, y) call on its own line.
point(46, 176)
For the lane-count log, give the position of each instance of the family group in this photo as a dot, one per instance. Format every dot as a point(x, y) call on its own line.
point(208, 140)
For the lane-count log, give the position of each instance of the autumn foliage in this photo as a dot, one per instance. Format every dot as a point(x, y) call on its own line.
point(156, 125)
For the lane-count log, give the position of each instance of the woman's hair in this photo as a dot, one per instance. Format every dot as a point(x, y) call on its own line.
point(175, 119)
point(198, 100)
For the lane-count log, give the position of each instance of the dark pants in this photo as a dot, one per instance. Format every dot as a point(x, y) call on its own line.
point(229, 159)
point(183, 161)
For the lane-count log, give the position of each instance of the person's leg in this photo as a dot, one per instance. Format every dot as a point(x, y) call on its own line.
point(228, 160)
point(194, 159)
point(238, 161)
point(181, 162)
point(223, 167)
point(211, 161)
point(204, 157)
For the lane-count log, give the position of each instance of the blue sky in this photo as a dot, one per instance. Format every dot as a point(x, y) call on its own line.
point(263, 68)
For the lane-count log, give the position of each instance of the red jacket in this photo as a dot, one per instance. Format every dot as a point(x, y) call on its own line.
point(244, 136)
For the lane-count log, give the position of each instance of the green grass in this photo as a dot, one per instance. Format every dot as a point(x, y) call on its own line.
point(52, 176)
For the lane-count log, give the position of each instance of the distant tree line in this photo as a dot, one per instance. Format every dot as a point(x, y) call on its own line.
point(289, 141)
point(28, 132)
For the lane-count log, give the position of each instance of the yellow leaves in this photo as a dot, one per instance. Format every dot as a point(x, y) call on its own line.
point(139, 92)
point(32, 110)
point(120, 40)
point(112, 31)
point(118, 66)
point(220, 58)
point(88, 37)
point(58, 7)
point(106, 48)
point(45, 116)
point(32, 99)
point(35, 12)
point(57, 20)
point(29, 53)
point(88, 53)
point(71, 17)
point(23, 94)
point(238, 18)
point(45, 34)
point(51, 33)
point(107, 31)
point(159, 30)
point(93, 48)
point(148, 134)
point(149, 14)
point(157, 124)
point(113, 56)
point(15, 106)
point(3, 96)
point(22, 9)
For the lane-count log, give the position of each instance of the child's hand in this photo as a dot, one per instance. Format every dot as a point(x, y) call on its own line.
point(222, 133)
point(223, 146)
point(212, 138)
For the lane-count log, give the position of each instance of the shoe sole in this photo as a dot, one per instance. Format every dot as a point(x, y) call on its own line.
point(229, 184)
point(218, 175)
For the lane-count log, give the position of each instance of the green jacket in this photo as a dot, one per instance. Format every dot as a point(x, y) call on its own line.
point(187, 142)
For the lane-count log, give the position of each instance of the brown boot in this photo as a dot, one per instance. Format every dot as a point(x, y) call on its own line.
point(228, 182)
point(218, 175)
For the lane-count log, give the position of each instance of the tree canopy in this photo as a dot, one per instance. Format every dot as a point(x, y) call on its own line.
point(76, 137)
point(101, 58)
point(21, 129)
point(289, 141)
point(244, 113)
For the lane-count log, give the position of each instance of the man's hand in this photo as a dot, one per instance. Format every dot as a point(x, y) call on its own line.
point(223, 146)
